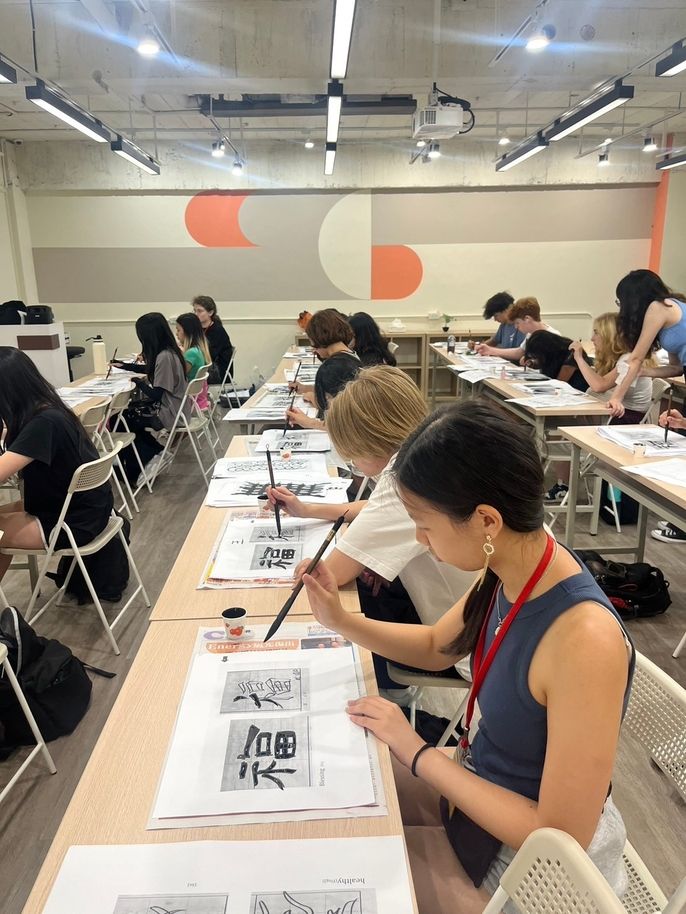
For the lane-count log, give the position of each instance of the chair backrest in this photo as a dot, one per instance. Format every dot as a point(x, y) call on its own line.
point(120, 401)
point(657, 717)
point(195, 387)
point(94, 417)
point(551, 874)
point(93, 474)
point(660, 387)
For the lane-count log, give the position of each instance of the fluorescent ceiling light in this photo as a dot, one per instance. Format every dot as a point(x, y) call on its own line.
point(671, 162)
point(649, 144)
point(333, 111)
point(7, 73)
point(329, 158)
point(521, 153)
point(343, 16)
point(618, 95)
point(237, 168)
point(218, 149)
point(132, 153)
point(504, 141)
point(606, 141)
point(68, 112)
point(673, 63)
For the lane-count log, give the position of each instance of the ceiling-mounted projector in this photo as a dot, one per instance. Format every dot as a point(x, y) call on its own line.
point(442, 118)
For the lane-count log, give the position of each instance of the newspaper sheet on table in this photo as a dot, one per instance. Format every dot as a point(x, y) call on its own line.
point(306, 375)
point(305, 464)
point(292, 636)
point(266, 731)
point(266, 413)
point(104, 388)
point(299, 441)
point(671, 471)
point(249, 490)
point(300, 876)
point(652, 437)
point(72, 397)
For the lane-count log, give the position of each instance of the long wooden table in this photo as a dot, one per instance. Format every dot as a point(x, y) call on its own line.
point(114, 798)
point(181, 600)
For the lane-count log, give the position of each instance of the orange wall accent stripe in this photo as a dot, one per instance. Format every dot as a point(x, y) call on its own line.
point(660, 216)
point(396, 271)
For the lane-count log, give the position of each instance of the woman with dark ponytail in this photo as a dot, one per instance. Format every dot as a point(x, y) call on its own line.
point(551, 663)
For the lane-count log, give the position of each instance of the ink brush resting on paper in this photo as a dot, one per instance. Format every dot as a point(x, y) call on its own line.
point(277, 509)
point(283, 612)
point(669, 412)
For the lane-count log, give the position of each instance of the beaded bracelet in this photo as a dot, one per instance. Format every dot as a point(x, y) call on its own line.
point(413, 766)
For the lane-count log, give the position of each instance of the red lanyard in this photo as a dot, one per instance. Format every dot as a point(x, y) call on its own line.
point(481, 664)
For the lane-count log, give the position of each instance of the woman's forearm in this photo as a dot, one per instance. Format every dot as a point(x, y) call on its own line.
point(662, 371)
point(595, 381)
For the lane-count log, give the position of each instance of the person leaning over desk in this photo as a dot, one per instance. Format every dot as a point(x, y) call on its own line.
point(551, 662)
point(507, 336)
point(398, 578)
point(44, 443)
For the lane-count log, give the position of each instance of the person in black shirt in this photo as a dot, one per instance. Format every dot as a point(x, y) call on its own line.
point(331, 336)
point(550, 353)
point(218, 340)
point(370, 346)
point(45, 443)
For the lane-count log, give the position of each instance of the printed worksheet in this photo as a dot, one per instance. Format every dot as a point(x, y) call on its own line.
point(312, 465)
point(652, 437)
point(266, 731)
point(324, 876)
point(298, 441)
point(245, 490)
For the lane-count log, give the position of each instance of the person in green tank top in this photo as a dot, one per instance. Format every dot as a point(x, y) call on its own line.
point(196, 355)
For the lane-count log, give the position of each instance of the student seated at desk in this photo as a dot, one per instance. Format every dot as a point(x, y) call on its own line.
point(551, 660)
point(369, 344)
point(45, 443)
point(218, 340)
point(507, 336)
point(550, 353)
point(161, 394)
point(196, 355)
point(666, 532)
point(525, 315)
point(398, 578)
point(330, 335)
point(610, 366)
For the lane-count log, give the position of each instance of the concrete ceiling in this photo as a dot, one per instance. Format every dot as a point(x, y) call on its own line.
point(282, 47)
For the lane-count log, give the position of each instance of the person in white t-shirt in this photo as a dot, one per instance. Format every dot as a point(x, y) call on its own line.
point(525, 314)
point(368, 421)
point(611, 366)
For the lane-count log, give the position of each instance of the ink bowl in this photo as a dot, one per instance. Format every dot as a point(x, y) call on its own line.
point(234, 624)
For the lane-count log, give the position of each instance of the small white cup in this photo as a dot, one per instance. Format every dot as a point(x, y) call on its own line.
point(639, 450)
point(234, 623)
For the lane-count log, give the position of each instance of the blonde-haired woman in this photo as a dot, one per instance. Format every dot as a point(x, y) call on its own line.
point(368, 421)
point(611, 366)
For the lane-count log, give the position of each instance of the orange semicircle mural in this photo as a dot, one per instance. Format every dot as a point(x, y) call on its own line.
point(396, 271)
point(213, 220)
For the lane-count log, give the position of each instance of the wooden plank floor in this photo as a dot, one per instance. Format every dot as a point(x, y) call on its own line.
point(655, 817)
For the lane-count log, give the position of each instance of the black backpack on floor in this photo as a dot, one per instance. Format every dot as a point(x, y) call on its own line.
point(54, 682)
point(636, 590)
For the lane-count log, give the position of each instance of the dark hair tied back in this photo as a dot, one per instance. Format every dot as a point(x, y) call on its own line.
point(467, 455)
point(635, 293)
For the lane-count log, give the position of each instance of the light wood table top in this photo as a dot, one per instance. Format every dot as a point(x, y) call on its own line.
point(588, 439)
point(114, 797)
point(81, 408)
point(181, 600)
point(506, 390)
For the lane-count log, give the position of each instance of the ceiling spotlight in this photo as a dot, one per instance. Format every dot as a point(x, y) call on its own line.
point(540, 39)
point(218, 149)
point(434, 151)
point(309, 143)
point(421, 144)
point(604, 158)
point(606, 141)
point(649, 144)
point(504, 141)
point(237, 168)
point(148, 46)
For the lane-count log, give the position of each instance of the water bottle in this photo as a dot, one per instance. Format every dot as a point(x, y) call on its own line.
point(99, 354)
point(451, 343)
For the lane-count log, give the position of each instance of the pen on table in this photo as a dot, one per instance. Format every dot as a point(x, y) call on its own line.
point(669, 410)
point(283, 612)
point(277, 509)
point(116, 349)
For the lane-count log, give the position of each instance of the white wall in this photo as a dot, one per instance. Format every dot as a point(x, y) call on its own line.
point(673, 263)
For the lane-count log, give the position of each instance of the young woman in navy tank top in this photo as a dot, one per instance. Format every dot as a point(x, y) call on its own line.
point(551, 663)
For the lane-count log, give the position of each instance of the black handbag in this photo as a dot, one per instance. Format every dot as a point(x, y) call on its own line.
point(142, 414)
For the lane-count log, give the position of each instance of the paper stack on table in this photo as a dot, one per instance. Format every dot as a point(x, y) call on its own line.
point(562, 395)
point(71, 396)
point(652, 437)
point(671, 471)
point(236, 877)
point(306, 375)
point(306, 464)
point(250, 488)
point(298, 441)
point(260, 413)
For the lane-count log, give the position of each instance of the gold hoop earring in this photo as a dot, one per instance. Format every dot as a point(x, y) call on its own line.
point(488, 550)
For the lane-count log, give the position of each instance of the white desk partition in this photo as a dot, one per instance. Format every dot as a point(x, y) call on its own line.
point(44, 345)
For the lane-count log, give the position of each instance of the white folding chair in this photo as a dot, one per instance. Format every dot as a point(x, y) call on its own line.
point(93, 420)
point(193, 427)
point(86, 477)
point(228, 380)
point(40, 747)
point(120, 433)
point(660, 387)
point(421, 681)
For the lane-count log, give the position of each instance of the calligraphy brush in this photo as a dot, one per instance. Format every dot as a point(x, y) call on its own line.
point(283, 612)
point(669, 410)
point(277, 509)
point(290, 407)
point(116, 349)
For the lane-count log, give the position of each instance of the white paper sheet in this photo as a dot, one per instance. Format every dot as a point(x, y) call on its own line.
point(553, 401)
point(540, 387)
point(299, 441)
point(104, 388)
point(306, 375)
point(251, 549)
point(265, 413)
point(316, 876)
point(306, 464)
point(298, 352)
point(246, 490)
point(652, 437)
point(266, 732)
point(671, 471)
point(71, 397)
